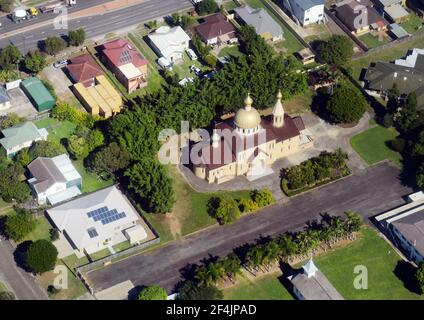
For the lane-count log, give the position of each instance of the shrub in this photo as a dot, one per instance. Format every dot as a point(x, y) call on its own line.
point(211, 60)
point(246, 205)
point(419, 276)
point(192, 291)
point(41, 256)
point(7, 295)
point(9, 120)
point(262, 198)
point(387, 120)
point(64, 111)
point(18, 226)
point(49, 148)
point(224, 209)
point(53, 45)
point(54, 234)
point(207, 7)
point(153, 292)
point(397, 144)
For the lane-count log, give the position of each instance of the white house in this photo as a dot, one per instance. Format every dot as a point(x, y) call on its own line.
point(21, 136)
point(98, 220)
point(405, 226)
point(54, 180)
point(305, 12)
point(169, 43)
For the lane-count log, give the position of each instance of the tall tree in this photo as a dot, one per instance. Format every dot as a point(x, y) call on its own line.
point(34, 61)
point(337, 50)
point(76, 37)
point(10, 57)
point(53, 45)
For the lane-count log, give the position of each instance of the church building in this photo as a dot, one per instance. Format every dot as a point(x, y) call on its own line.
point(249, 144)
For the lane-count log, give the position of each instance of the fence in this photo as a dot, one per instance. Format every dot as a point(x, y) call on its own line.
point(389, 45)
point(101, 262)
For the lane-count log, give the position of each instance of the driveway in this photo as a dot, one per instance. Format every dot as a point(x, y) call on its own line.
point(370, 192)
point(20, 104)
point(327, 137)
point(60, 82)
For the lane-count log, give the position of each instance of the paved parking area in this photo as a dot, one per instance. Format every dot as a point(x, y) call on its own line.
point(20, 104)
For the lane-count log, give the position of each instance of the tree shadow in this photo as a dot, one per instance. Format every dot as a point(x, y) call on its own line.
point(319, 103)
point(20, 253)
point(405, 271)
point(134, 292)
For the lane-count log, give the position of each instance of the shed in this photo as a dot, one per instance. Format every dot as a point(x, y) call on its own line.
point(397, 31)
point(38, 94)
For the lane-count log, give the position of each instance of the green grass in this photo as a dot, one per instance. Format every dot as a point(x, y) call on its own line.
point(75, 286)
point(3, 287)
point(57, 129)
point(380, 260)
point(90, 181)
point(413, 24)
point(183, 68)
point(290, 43)
point(372, 41)
point(122, 246)
point(230, 5)
point(231, 51)
point(73, 261)
point(41, 231)
point(190, 210)
point(267, 287)
point(371, 145)
point(100, 254)
point(386, 55)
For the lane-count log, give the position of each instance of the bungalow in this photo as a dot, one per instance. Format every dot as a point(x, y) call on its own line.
point(305, 12)
point(98, 221)
point(359, 16)
point(84, 69)
point(126, 63)
point(407, 74)
point(216, 30)
point(264, 24)
point(169, 43)
point(54, 180)
point(21, 136)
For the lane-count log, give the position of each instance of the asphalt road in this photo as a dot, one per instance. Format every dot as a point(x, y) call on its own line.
point(372, 191)
point(22, 283)
point(100, 24)
point(8, 25)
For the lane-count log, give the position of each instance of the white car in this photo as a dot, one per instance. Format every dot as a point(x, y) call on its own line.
point(186, 80)
point(60, 63)
point(196, 70)
point(191, 54)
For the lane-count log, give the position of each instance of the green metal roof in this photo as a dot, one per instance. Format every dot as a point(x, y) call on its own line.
point(39, 93)
point(19, 134)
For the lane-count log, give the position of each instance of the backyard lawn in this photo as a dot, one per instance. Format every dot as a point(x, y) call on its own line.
point(57, 129)
point(267, 287)
point(372, 41)
point(413, 24)
point(90, 181)
point(290, 44)
point(41, 231)
point(372, 145)
point(230, 51)
point(190, 210)
point(383, 265)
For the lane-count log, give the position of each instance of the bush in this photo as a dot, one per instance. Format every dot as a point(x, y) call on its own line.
point(41, 256)
point(262, 198)
point(76, 37)
point(346, 105)
point(64, 111)
point(246, 205)
point(336, 50)
point(34, 61)
point(387, 120)
point(18, 226)
point(211, 60)
point(54, 234)
point(207, 7)
point(192, 291)
point(153, 292)
point(9, 120)
point(419, 276)
point(53, 45)
point(224, 209)
point(49, 148)
point(397, 144)
point(7, 295)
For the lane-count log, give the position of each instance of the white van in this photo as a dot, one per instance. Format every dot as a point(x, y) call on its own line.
point(191, 54)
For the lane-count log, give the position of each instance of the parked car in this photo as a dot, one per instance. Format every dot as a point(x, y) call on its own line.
point(191, 54)
point(186, 80)
point(208, 75)
point(60, 63)
point(196, 70)
point(224, 60)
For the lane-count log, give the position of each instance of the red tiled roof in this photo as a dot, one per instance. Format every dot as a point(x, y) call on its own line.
point(83, 68)
point(229, 149)
point(121, 52)
point(214, 26)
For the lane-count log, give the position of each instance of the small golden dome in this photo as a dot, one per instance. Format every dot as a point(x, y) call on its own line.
point(247, 119)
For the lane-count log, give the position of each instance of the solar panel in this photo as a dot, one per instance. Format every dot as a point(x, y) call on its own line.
point(113, 215)
point(92, 232)
point(96, 212)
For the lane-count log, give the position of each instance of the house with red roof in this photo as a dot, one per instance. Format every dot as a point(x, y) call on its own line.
point(128, 65)
point(84, 69)
point(216, 29)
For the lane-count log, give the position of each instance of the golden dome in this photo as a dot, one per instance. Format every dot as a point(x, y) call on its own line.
point(247, 117)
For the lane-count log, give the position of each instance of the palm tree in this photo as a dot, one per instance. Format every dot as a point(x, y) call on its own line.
point(287, 245)
point(232, 265)
point(353, 222)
